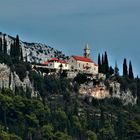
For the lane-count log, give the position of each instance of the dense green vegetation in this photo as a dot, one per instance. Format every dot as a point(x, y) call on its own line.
point(57, 112)
point(60, 118)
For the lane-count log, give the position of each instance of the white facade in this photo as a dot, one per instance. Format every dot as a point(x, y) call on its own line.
point(58, 65)
point(54, 64)
point(87, 67)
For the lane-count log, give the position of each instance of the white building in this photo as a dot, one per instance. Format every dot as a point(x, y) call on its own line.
point(74, 65)
point(83, 64)
point(55, 63)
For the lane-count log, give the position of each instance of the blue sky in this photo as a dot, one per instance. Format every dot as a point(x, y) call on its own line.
point(107, 25)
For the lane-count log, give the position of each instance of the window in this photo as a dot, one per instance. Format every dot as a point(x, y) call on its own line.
point(72, 67)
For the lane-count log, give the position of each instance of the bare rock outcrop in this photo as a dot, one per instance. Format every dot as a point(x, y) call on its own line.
point(11, 80)
point(101, 92)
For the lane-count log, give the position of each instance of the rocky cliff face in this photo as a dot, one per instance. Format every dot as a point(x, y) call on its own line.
point(101, 92)
point(98, 91)
point(11, 80)
point(126, 96)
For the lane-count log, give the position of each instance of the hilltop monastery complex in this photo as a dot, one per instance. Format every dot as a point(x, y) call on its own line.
point(74, 64)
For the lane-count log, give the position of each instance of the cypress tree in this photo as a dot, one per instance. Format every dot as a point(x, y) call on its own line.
point(111, 70)
point(125, 71)
point(21, 55)
point(102, 65)
point(102, 59)
point(116, 70)
point(4, 45)
point(106, 63)
point(99, 63)
point(17, 48)
point(26, 58)
point(12, 50)
point(131, 75)
point(1, 45)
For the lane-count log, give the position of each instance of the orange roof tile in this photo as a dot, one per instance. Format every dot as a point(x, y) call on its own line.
point(57, 60)
point(80, 58)
point(45, 63)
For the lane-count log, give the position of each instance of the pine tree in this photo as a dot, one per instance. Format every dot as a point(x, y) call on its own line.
point(99, 64)
point(131, 75)
point(102, 118)
point(120, 126)
point(125, 71)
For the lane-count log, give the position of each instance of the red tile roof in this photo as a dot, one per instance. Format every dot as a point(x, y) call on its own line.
point(54, 59)
point(62, 61)
point(45, 63)
point(80, 58)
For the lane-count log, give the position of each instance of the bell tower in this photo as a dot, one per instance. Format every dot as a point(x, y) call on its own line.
point(86, 51)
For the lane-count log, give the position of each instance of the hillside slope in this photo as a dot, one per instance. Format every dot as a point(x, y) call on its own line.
point(33, 52)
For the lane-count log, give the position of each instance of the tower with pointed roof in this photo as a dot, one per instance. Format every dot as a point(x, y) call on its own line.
point(86, 51)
